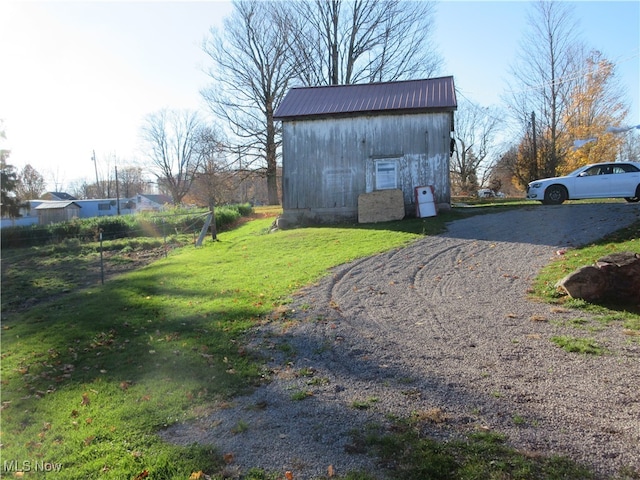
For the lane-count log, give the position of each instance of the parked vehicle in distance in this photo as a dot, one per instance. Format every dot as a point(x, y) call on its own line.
point(597, 180)
point(488, 193)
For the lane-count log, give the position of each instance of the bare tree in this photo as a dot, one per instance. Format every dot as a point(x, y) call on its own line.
point(83, 190)
point(131, 181)
point(31, 184)
point(630, 149)
point(171, 139)
point(504, 173)
point(208, 179)
point(80, 189)
point(56, 179)
point(476, 128)
point(355, 41)
point(207, 185)
point(251, 73)
point(544, 76)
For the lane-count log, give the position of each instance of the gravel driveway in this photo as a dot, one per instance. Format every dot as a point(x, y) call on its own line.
point(443, 326)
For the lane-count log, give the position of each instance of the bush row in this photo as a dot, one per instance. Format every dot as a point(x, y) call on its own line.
point(177, 220)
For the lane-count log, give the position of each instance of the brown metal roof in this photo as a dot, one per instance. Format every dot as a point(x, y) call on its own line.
point(424, 95)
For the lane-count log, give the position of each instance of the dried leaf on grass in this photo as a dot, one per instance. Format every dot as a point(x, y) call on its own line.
point(199, 475)
point(141, 475)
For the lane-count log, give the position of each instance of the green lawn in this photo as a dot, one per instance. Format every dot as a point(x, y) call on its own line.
point(89, 378)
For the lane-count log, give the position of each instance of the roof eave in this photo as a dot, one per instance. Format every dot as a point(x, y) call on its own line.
point(324, 116)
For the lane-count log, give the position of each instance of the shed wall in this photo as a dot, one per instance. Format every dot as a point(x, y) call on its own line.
point(327, 163)
point(57, 215)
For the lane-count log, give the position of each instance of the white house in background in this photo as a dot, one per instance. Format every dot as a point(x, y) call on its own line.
point(109, 206)
point(154, 203)
point(60, 207)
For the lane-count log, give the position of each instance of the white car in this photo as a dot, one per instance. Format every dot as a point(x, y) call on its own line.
point(598, 180)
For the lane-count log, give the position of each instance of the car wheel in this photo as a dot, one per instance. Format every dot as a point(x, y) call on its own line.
point(636, 198)
point(555, 195)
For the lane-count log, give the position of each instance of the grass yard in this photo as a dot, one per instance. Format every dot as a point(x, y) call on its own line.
point(90, 376)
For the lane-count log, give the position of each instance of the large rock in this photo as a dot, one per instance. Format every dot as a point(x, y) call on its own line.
point(614, 277)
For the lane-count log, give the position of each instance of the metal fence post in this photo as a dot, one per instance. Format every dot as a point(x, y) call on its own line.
point(101, 260)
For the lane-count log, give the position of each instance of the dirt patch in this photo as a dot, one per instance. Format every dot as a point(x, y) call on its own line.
point(29, 279)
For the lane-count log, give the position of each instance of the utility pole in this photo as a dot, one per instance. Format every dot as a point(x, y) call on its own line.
point(535, 147)
point(117, 192)
point(95, 164)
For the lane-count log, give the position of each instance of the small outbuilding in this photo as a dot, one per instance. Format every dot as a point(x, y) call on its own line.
point(340, 142)
point(57, 211)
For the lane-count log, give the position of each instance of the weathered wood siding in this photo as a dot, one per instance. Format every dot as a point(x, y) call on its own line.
point(57, 215)
point(327, 163)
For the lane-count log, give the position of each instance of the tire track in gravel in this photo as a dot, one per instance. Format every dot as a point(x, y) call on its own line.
point(448, 282)
point(445, 295)
point(467, 309)
point(454, 307)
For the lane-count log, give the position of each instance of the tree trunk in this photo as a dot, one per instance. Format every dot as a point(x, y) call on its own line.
point(272, 189)
point(272, 159)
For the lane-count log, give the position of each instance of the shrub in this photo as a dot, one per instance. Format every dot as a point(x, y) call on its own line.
point(151, 224)
point(226, 215)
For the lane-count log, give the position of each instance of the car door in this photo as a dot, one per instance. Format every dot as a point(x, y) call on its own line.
point(594, 182)
point(624, 180)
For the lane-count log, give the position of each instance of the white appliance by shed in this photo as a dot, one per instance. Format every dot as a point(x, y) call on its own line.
point(425, 202)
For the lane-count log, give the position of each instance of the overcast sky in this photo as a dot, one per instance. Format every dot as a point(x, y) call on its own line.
point(80, 76)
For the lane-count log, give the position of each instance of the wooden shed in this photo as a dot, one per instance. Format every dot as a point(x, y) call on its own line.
point(57, 211)
point(340, 142)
